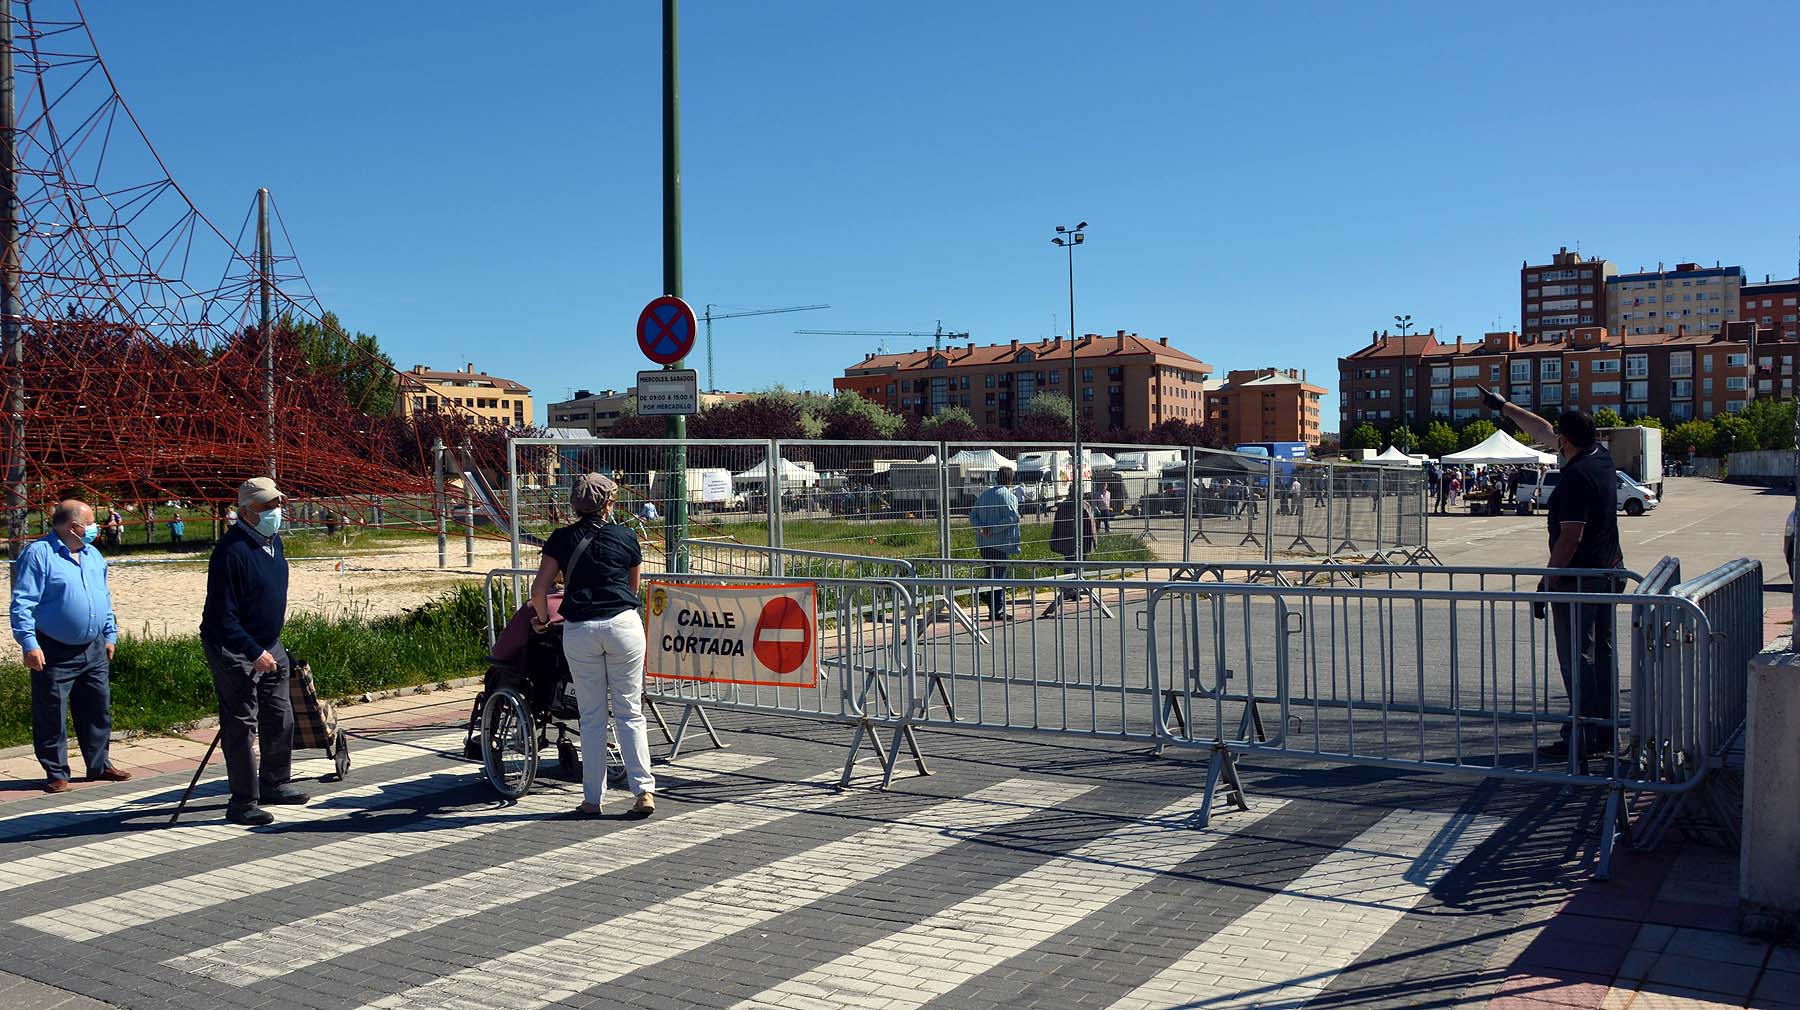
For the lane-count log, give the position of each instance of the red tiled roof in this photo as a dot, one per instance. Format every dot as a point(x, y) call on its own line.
point(1092, 347)
point(463, 378)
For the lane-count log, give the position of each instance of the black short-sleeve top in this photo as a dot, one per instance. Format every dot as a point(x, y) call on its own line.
point(599, 589)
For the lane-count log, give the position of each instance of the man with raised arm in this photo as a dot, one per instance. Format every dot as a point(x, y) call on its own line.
point(1583, 522)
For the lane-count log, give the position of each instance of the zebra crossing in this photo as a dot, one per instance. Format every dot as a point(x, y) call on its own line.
point(758, 885)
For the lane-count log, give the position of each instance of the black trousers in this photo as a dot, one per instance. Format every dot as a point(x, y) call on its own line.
point(258, 705)
point(1584, 652)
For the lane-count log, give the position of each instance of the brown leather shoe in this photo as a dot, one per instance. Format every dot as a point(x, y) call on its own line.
point(56, 786)
point(110, 775)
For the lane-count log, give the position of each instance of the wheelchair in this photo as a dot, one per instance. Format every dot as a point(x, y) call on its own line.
point(527, 695)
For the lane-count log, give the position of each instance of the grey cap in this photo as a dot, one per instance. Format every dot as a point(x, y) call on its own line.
point(258, 491)
point(591, 492)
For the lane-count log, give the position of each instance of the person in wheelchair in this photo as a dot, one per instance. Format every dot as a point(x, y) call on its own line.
point(602, 636)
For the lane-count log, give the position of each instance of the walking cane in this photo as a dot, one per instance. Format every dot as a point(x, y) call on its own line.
point(195, 781)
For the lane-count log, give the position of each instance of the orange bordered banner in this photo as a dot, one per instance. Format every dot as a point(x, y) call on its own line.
point(762, 635)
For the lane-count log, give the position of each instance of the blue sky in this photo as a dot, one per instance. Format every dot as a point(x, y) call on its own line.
point(1265, 183)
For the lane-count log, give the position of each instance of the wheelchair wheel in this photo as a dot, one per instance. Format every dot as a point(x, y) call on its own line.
point(509, 743)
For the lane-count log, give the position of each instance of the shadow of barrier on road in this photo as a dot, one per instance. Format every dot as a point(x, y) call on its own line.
point(1446, 669)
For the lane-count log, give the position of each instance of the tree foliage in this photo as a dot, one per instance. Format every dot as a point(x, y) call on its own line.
point(1439, 439)
point(1051, 406)
point(1606, 417)
point(1401, 437)
point(1771, 422)
point(852, 416)
point(953, 424)
point(1365, 436)
point(355, 362)
point(1689, 438)
point(1732, 433)
point(1475, 432)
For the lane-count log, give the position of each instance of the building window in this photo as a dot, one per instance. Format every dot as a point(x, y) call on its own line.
point(1681, 364)
point(1681, 389)
point(1637, 390)
point(988, 381)
point(1087, 375)
point(1736, 360)
point(1735, 383)
point(1550, 370)
point(1087, 393)
point(1494, 375)
point(1551, 395)
point(1706, 363)
point(1606, 366)
point(1705, 387)
point(1440, 376)
point(1467, 371)
point(1732, 406)
point(1055, 378)
point(1521, 371)
point(1603, 389)
point(1637, 366)
point(1115, 372)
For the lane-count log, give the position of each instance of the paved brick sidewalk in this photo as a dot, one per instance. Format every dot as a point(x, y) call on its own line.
point(1025, 873)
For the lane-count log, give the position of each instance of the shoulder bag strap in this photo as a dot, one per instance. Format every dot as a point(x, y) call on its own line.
point(581, 547)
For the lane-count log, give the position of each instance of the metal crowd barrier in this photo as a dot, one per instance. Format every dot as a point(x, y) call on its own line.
point(865, 674)
point(1449, 669)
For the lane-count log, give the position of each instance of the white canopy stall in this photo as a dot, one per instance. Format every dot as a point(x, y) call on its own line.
point(1501, 449)
point(1394, 457)
point(792, 475)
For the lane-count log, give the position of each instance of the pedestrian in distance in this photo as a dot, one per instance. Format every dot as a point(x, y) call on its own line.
point(62, 618)
point(1583, 526)
point(1064, 527)
point(177, 529)
point(995, 517)
point(115, 529)
point(240, 633)
point(1103, 507)
point(603, 636)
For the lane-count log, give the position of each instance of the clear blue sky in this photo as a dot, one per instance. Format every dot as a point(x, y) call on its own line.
point(1265, 184)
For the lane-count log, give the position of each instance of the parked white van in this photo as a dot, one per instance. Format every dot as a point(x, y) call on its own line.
point(1534, 492)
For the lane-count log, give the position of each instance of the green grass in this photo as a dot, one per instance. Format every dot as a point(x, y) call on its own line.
point(162, 684)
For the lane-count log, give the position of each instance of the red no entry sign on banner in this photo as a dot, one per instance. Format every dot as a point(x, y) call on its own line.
point(764, 635)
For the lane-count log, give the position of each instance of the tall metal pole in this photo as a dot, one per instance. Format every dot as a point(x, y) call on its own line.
point(439, 504)
point(265, 269)
point(9, 294)
point(675, 527)
point(1075, 412)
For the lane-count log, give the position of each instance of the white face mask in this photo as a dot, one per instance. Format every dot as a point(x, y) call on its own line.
point(269, 523)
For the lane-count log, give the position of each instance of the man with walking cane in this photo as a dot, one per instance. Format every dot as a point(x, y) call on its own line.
point(240, 630)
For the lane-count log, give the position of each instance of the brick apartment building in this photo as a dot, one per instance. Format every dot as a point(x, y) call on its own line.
point(1772, 306)
point(423, 390)
point(1673, 376)
point(1123, 381)
point(1265, 405)
point(1557, 297)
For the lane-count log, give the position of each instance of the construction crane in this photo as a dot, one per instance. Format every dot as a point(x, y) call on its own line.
point(709, 315)
point(937, 335)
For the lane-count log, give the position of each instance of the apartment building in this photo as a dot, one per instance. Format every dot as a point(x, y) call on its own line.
point(1122, 381)
point(1557, 297)
point(598, 412)
point(425, 390)
point(1772, 305)
point(1673, 376)
point(1265, 405)
point(1689, 297)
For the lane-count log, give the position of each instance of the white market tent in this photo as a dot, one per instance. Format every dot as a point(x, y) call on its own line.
point(980, 460)
point(792, 474)
point(1393, 456)
point(1501, 449)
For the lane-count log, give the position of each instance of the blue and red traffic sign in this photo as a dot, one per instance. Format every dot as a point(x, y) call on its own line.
point(666, 330)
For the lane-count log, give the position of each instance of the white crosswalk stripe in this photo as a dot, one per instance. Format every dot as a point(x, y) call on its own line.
point(1286, 951)
point(561, 968)
point(118, 851)
point(982, 932)
point(104, 916)
point(301, 944)
point(26, 818)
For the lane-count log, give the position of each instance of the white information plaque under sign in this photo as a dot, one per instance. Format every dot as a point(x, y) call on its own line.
point(661, 392)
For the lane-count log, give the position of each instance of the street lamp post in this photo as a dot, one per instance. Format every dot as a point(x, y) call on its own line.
point(1404, 323)
point(1068, 239)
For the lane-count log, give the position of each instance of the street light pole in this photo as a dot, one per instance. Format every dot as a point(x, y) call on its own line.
point(1068, 239)
point(675, 427)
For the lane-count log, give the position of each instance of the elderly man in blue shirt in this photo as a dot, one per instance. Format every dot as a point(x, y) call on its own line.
point(996, 521)
point(62, 618)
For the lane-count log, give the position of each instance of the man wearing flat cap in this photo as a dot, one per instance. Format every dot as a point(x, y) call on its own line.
point(240, 630)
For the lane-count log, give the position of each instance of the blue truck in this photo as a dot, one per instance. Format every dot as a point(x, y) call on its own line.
point(1285, 453)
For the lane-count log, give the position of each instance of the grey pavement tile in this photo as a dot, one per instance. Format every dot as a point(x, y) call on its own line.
point(1702, 974)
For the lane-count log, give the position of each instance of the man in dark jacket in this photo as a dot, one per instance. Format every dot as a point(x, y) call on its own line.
point(240, 630)
point(1063, 528)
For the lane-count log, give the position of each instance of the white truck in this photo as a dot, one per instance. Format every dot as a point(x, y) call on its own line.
point(1637, 451)
point(1045, 478)
point(708, 487)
